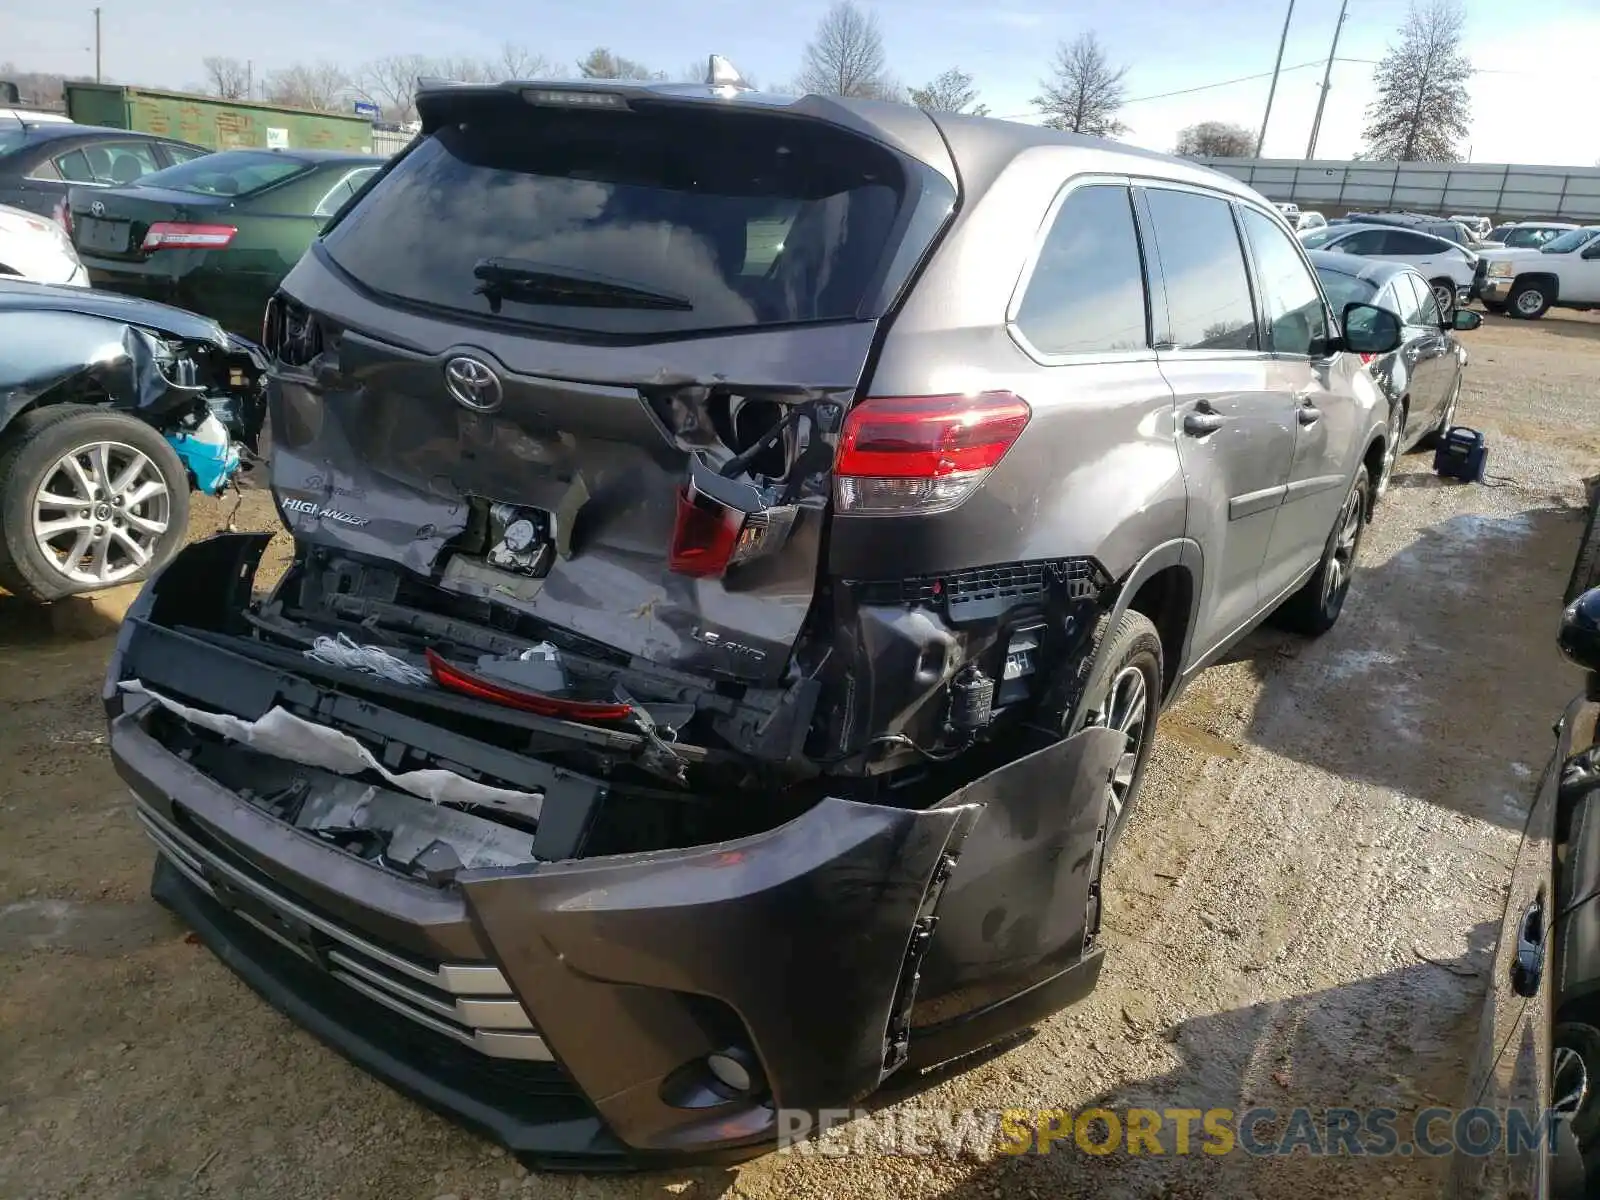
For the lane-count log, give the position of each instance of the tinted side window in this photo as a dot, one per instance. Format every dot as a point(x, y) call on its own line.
point(1368, 241)
point(1086, 293)
point(181, 154)
point(1400, 242)
point(1296, 317)
point(1208, 292)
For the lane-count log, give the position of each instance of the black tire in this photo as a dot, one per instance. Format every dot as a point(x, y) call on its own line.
point(30, 450)
point(1393, 440)
point(1444, 295)
point(1584, 1041)
point(1133, 645)
point(1315, 608)
point(1447, 418)
point(1586, 567)
point(1520, 303)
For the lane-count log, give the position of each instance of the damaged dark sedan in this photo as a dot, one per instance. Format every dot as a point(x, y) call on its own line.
point(111, 410)
point(691, 699)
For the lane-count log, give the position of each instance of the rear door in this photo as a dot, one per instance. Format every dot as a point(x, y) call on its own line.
point(1235, 421)
point(1326, 415)
point(1427, 347)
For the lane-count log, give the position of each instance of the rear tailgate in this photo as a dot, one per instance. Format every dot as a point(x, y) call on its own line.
point(625, 424)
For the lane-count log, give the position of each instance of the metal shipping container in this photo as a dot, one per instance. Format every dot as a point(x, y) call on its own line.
point(218, 124)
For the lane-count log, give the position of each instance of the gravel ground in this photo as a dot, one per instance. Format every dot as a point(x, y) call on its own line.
point(1302, 912)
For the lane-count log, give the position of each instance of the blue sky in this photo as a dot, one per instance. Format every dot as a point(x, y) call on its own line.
point(1532, 108)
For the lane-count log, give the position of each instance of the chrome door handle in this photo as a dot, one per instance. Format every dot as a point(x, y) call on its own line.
point(1308, 414)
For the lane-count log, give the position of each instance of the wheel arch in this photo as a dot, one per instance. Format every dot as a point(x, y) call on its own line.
point(1164, 585)
point(1546, 278)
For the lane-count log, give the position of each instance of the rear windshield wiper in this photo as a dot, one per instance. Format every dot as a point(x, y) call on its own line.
point(521, 279)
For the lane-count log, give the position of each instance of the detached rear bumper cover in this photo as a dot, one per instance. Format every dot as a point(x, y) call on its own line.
point(810, 944)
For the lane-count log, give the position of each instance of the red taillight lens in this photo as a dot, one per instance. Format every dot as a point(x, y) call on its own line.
point(1366, 359)
point(454, 679)
point(178, 235)
point(64, 216)
point(923, 453)
point(704, 536)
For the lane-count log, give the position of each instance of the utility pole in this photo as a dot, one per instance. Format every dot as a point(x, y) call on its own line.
point(1316, 125)
point(249, 79)
point(1276, 67)
point(97, 45)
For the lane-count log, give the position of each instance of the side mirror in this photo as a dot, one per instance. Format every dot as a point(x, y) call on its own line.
point(1465, 318)
point(1369, 329)
point(1579, 638)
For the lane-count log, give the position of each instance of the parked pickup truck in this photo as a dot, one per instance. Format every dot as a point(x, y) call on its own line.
point(1565, 271)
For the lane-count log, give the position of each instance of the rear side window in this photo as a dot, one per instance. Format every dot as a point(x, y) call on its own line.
point(653, 221)
point(1296, 318)
point(1086, 293)
point(230, 173)
point(1345, 289)
point(1413, 245)
point(1367, 241)
point(1202, 263)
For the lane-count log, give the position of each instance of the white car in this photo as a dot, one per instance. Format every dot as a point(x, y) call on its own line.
point(37, 249)
point(1564, 272)
point(1525, 235)
point(1447, 267)
point(1477, 226)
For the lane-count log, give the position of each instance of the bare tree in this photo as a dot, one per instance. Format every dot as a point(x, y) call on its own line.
point(391, 84)
point(318, 86)
point(226, 77)
point(1215, 139)
point(601, 63)
point(39, 90)
point(1422, 108)
point(518, 62)
point(846, 57)
point(952, 92)
point(1084, 93)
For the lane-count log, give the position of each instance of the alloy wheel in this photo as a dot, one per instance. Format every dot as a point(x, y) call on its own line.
point(1341, 567)
point(100, 513)
point(1569, 1085)
point(1445, 298)
point(1127, 710)
point(1391, 453)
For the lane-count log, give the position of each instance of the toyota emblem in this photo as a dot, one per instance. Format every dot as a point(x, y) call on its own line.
point(98, 208)
point(473, 383)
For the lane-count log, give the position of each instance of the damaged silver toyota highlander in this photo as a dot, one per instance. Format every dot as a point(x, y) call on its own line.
point(742, 544)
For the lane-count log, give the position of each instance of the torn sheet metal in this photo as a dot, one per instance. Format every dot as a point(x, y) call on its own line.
point(281, 734)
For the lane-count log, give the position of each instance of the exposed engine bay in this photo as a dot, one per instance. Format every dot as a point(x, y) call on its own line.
point(200, 387)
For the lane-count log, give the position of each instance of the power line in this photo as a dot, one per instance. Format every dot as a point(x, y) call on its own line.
point(1204, 87)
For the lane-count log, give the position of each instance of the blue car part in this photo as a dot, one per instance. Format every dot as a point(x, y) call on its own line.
point(211, 456)
point(1463, 454)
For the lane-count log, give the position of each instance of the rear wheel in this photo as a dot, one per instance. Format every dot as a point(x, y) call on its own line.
point(1444, 295)
point(1315, 608)
point(89, 499)
point(1391, 452)
point(1123, 693)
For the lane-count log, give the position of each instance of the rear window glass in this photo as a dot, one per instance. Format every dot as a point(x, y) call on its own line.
point(1345, 289)
point(651, 221)
point(230, 173)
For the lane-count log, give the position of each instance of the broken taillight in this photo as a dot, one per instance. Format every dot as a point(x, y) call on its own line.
point(722, 522)
point(920, 454)
point(180, 235)
point(456, 679)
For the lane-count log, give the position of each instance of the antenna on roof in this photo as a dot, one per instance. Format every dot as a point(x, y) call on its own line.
point(722, 73)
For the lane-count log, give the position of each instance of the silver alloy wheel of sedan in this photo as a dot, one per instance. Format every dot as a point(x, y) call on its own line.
point(100, 512)
point(1569, 1082)
point(1444, 295)
point(1126, 710)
